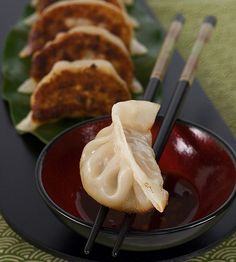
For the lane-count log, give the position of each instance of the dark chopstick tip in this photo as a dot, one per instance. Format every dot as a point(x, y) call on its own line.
point(101, 216)
point(114, 253)
point(180, 18)
point(86, 251)
point(210, 20)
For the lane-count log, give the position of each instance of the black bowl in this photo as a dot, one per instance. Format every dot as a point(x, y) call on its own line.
point(199, 171)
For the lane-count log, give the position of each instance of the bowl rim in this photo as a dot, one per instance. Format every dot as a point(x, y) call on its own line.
point(51, 204)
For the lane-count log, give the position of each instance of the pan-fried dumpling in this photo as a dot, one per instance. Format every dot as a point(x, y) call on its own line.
point(76, 89)
point(40, 5)
point(118, 168)
point(84, 42)
point(64, 15)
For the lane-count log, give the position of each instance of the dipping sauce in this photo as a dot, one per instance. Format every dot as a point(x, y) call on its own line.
point(182, 207)
point(197, 181)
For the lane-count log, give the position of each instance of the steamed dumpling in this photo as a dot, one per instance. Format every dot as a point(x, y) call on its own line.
point(64, 15)
point(76, 89)
point(83, 42)
point(118, 168)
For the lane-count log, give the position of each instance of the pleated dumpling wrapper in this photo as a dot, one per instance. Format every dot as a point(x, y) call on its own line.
point(83, 42)
point(118, 168)
point(77, 89)
point(64, 15)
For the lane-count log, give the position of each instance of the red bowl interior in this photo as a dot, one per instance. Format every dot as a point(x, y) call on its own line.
point(198, 172)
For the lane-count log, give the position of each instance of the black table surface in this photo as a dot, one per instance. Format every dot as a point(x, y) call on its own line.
point(25, 211)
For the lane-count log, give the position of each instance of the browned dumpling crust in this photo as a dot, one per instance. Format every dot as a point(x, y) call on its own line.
point(85, 42)
point(78, 89)
point(64, 15)
point(42, 4)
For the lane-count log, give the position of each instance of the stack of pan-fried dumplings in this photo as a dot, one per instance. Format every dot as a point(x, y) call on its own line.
point(95, 37)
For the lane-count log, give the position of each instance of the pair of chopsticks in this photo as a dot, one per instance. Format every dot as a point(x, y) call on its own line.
point(172, 112)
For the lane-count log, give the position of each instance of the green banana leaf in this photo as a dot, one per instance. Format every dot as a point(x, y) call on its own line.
point(16, 70)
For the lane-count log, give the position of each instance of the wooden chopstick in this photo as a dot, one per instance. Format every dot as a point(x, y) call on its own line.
point(164, 56)
point(127, 221)
point(101, 216)
point(157, 76)
point(154, 82)
point(176, 101)
point(183, 85)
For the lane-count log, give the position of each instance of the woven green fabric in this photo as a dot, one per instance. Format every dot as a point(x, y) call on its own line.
point(14, 249)
point(218, 63)
point(216, 70)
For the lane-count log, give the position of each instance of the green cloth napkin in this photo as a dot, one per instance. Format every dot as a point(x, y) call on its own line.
point(217, 68)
